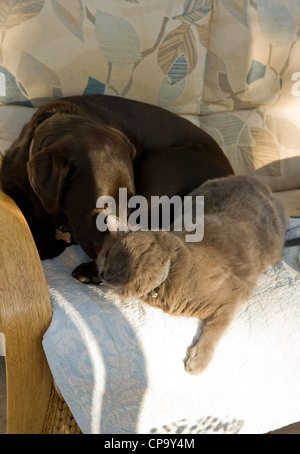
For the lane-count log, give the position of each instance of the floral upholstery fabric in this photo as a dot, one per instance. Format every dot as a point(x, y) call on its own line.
point(232, 67)
point(253, 58)
point(151, 51)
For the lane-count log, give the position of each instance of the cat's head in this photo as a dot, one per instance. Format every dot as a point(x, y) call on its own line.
point(134, 264)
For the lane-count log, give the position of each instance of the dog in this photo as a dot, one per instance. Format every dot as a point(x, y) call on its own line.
point(76, 149)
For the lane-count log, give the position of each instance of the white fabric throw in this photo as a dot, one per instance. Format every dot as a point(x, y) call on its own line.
point(119, 365)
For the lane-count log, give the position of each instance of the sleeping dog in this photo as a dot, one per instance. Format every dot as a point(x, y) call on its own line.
point(76, 149)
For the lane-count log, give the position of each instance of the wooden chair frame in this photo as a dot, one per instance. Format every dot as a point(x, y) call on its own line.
point(33, 405)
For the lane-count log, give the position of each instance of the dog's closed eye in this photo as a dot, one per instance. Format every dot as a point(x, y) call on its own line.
point(97, 211)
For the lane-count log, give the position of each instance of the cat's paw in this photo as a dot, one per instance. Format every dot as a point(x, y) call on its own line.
point(196, 362)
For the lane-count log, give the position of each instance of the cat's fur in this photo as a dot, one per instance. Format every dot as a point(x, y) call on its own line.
point(244, 231)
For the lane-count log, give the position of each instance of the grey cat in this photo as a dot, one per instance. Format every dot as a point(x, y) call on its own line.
point(244, 230)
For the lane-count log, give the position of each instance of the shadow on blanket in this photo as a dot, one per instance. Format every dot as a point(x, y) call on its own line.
point(107, 355)
point(122, 400)
point(206, 425)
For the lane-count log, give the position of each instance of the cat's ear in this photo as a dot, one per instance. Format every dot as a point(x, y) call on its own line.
point(117, 226)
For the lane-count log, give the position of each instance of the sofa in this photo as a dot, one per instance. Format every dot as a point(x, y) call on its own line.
point(77, 352)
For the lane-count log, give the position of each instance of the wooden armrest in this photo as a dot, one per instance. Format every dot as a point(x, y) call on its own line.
point(25, 314)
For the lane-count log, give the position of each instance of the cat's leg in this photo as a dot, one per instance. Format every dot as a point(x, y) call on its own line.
point(214, 327)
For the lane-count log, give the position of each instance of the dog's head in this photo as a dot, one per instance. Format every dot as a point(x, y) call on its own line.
point(73, 161)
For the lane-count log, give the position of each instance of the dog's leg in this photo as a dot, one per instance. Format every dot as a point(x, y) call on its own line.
point(214, 327)
point(87, 273)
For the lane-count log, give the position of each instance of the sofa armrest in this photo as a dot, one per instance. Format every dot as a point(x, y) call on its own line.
point(291, 200)
point(25, 314)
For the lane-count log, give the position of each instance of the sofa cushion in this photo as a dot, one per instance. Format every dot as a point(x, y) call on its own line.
point(152, 51)
point(233, 62)
point(252, 55)
point(251, 89)
point(291, 200)
point(262, 142)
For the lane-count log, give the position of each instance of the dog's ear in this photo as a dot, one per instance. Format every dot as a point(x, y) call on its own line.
point(132, 149)
point(48, 171)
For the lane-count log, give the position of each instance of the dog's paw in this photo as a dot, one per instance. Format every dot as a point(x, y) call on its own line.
point(87, 273)
point(196, 362)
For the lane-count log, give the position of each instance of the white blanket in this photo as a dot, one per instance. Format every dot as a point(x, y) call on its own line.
point(119, 366)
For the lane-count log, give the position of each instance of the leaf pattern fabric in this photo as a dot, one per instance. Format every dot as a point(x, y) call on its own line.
point(71, 13)
point(88, 46)
point(226, 65)
point(14, 12)
point(124, 48)
point(248, 104)
point(178, 44)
